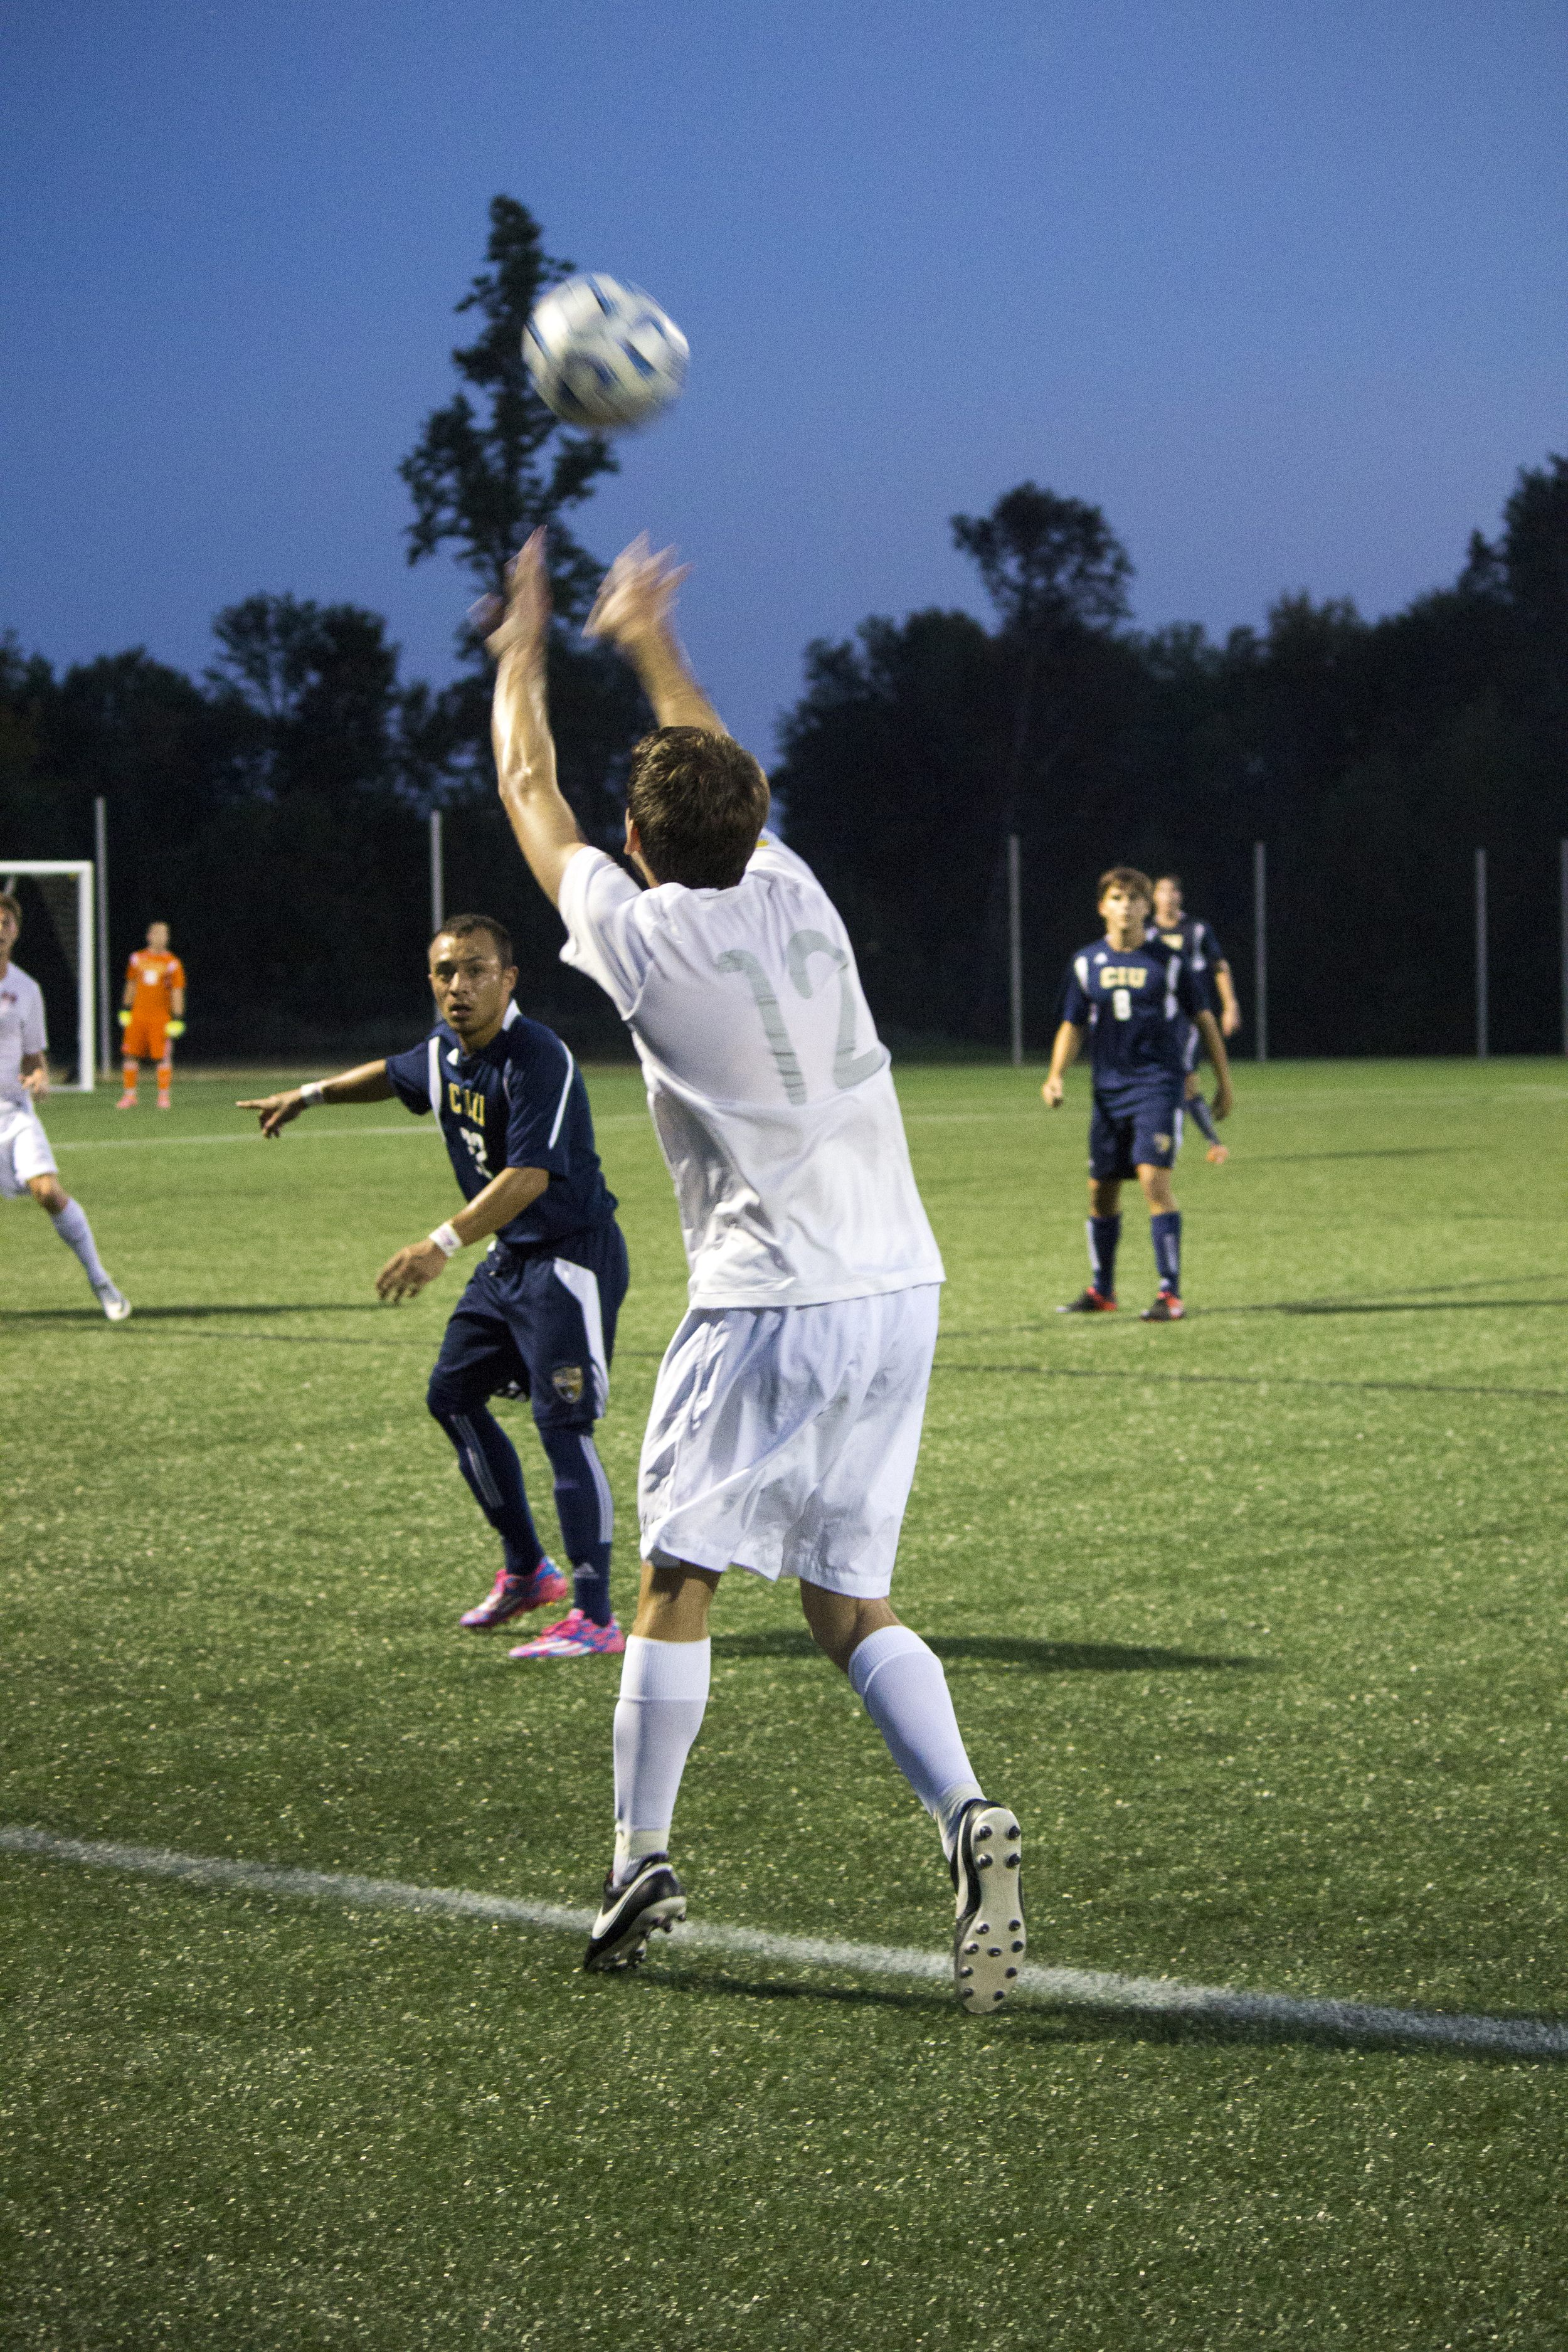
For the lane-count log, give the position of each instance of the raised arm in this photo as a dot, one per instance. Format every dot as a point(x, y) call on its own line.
point(634, 612)
point(547, 831)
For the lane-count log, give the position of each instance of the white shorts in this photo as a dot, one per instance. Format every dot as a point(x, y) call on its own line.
point(783, 1439)
point(23, 1149)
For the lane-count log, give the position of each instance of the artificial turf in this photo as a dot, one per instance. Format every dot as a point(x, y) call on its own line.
point(1256, 1620)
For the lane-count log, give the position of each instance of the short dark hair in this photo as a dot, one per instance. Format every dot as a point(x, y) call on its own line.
point(1173, 879)
point(699, 802)
point(463, 926)
point(1126, 878)
point(10, 898)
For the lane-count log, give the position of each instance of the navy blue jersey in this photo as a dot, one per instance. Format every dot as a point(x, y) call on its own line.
point(1196, 942)
point(518, 1102)
point(1136, 1004)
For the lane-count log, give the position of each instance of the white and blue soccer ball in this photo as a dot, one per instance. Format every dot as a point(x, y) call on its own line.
point(603, 355)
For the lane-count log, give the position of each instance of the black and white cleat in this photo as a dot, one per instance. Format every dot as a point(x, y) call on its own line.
point(988, 1941)
point(652, 1898)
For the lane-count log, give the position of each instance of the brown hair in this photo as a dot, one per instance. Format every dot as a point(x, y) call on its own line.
point(463, 926)
point(699, 802)
point(10, 898)
point(1126, 878)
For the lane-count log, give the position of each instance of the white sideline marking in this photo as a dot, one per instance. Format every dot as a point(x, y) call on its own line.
point(1521, 2037)
point(165, 1142)
point(415, 1126)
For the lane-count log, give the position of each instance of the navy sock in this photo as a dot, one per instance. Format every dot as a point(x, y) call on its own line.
point(1165, 1233)
point(487, 1460)
point(1205, 1116)
point(587, 1517)
point(1104, 1233)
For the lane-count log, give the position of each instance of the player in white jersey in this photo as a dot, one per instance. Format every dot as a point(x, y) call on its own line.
point(27, 1164)
point(786, 1416)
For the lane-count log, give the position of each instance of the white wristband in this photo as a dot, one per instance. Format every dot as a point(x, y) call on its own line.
point(446, 1240)
point(312, 1094)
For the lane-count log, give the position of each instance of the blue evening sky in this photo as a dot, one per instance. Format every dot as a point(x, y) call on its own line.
point(1279, 283)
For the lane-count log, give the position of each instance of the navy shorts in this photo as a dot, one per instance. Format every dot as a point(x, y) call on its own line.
point(1134, 1131)
point(537, 1325)
point(1191, 1043)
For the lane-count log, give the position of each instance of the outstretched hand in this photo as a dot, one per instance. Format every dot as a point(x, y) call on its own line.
point(637, 594)
point(275, 1111)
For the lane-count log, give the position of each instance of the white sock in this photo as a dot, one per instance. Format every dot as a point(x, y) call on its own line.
point(77, 1234)
point(900, 1684)
point(664, 1690)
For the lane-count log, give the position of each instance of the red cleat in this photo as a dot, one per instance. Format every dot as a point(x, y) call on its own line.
point(1167, 1308)
point(1089, 1302)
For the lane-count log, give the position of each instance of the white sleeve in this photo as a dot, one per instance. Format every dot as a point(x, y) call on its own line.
point(34, 1036)
point(597, 904)
point(771, 856)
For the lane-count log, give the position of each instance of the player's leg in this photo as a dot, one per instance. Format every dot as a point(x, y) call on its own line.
point(27, 1164)
point(69, 1222)
point(564, 1328)
point(165, 1060)
point(477, 1358)
point(1106, 1170)
point(1158, 1146)
point(135, 1046)
point(663, 1696)
point(846, 1538)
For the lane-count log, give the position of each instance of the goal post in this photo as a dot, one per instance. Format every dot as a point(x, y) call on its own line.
point(66, 887)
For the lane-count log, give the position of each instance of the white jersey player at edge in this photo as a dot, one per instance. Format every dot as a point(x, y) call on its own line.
point(786, 1416)
point(27, 1164)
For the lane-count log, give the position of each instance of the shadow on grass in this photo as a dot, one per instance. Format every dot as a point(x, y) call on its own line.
point(1001, 1649)
point(1064, 2023)
point(1384, 1307)
point(1396, 1152)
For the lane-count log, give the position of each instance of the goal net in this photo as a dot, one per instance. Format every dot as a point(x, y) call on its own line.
point(57, 948)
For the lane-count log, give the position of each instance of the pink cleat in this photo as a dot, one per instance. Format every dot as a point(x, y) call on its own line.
point(510, 1596)
point(127, 1100)
point(575, 1636)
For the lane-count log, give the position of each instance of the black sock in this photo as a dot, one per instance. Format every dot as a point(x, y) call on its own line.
point(587, 1517)
point(1104, 1233)
point(1205, 1116)
point(1165, 1233)
point(487, 1460)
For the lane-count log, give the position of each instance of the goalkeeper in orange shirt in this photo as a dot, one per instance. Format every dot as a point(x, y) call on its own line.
point(152, 1013)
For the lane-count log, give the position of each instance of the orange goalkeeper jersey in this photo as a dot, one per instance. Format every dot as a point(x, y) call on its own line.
point(156, 974)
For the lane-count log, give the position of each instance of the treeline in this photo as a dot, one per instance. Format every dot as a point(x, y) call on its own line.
point(274, 810)
point(1373, 760)
point(275, 814)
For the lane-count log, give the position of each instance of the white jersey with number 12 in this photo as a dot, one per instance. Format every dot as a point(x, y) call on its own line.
point(771, 1093)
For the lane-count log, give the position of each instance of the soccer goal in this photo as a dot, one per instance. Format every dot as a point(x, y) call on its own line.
point(66, 887)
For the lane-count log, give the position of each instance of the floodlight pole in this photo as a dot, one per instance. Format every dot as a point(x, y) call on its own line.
point(1016, 950)
point(1260, 948)
point(100, 879)
point(1481, 1008)
point(437, 876)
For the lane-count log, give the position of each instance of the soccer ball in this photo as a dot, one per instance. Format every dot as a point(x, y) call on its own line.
point(603, 355)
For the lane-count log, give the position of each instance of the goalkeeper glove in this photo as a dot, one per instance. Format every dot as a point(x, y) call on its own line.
point(125, 1019)
point(174, 1028)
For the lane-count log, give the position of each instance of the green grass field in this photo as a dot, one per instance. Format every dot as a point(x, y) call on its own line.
point(1258, 1621)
